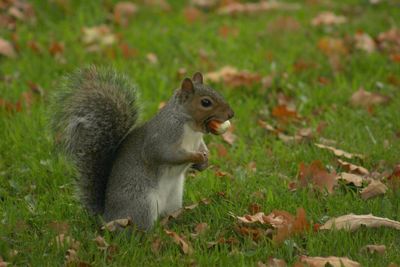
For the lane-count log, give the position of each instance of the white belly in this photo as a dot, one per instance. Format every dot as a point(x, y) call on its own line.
point(168, 195)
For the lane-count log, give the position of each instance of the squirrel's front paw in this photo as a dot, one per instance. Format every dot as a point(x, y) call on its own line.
point(200, 157)
point(200, 166)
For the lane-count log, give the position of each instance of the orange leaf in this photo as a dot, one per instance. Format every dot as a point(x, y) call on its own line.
point(185, 246)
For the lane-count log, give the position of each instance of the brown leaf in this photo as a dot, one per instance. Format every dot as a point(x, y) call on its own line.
point(6, 49)
point(250, 8)
point(351, 178)
point(171, 216)
point(274, 262)
point(128, 51)
point(233, 77)
point(375, 188)
point(329, 261)
point(185, 246)
point(123, 11)
point(380, 249)
point(328, 18)
point(101, 243)
point(156, 245)
point(201, 228)
point(65, 240)
point(254, 233)
point(192, 14)
point(339, 152)
point(332, 46)
point(56, 48)
point(294, 225)
point(389, 41)
point(362, 98)
point(284, 24)
point(152, 58)
point(283, 112)
point(254, 208)
point(114, 225)
point(3, 263)
point(227, 31)
point(97, 38)
point(59, 227)
point(352, 168)
point(229, 136)
point(364, 41)
point(352, 222)
point(316, 174)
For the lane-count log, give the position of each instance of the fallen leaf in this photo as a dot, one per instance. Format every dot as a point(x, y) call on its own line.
point(59, 227)
point(332, 46)
point(375, 188)
point(128, 51)
point(329, 261)
point(152, 58)
point(171, 216)
point(123, 11)
point(201, 228)
point(233, 77)
point(205, 4)
point(364, 41)
point(227, 31)
point(380, 249)
point(229, 136)
point(3, 263)
point(351, 178)
point(6, 49)
point(389, 41)
point(362, 98)
point(65, 240)
point(352, 222)
point(111, 226)
point(249, 8)
point(284, 24)
point(156, 245)
point(101, 243)
point(339, 152)
point(97, 38)
point(328, 18)
point(192, 14)
point(254, 233)
point(56, 48)
point(185, 246)
point(283, 112)
point(316, 174)
point(352, 168)
point(274, 262)
point(254, 208)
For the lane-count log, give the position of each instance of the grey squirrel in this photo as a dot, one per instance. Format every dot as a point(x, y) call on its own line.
point(128, 170)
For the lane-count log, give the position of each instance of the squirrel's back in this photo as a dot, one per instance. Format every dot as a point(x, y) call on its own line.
point(94, 110)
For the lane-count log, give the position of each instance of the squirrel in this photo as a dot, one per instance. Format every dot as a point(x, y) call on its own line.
point(128, 170)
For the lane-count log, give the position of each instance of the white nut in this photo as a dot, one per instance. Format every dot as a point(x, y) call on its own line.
point(223, 127)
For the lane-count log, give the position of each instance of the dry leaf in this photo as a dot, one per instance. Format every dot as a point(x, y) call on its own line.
point(59, 227)
point(97, 38)
point(329, 261)
point(233, 77)
point(152, 58)
point(352, 168)
point(171, 216)
point(62, 240)
point(192, 14)
point(123, 11)
point(364, 98)
point(205, 4)
point(316, 174)
point(185, 246)
point(249, 8)
point(254, 233)
point(339, 152)
point(3, 263)
point(380, 249)
point(156, 245)
point(364, 41)
point(201, 228)
point(328, 18)
point(254, 208)
point(229, 136)
point(351, 178)
point(283, 112)
point(332, 46)
point(352, 222)
point(389, 41)
point(111, 226)
point(227, 31)
point(375, 188)
point(284, 24)
point(7, 49)
point(273, 262)
point(101, 243)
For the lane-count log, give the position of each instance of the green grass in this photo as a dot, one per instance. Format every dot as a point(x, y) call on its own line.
point(36, 184)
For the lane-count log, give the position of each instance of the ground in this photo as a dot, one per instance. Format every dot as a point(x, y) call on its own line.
point(315, 68)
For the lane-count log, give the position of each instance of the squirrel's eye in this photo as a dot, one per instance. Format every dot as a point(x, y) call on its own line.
point(206, 102)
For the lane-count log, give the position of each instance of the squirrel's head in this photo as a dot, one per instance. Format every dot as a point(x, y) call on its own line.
point(202, 103)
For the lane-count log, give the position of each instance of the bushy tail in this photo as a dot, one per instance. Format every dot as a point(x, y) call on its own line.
point(93, 112)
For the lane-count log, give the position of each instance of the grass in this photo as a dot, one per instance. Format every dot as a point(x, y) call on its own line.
point(36, 183)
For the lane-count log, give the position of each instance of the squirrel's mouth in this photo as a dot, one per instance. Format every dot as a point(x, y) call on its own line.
point(211, 125)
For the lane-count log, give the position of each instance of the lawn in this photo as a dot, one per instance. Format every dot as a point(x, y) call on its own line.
point(298, 78)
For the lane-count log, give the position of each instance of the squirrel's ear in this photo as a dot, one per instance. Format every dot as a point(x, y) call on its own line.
point(187, 87)
point(198, 78)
